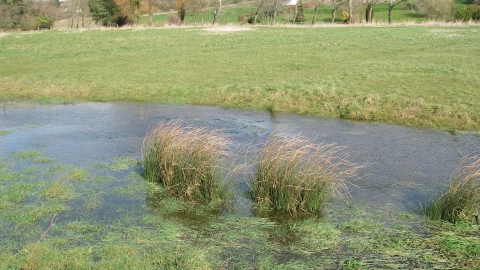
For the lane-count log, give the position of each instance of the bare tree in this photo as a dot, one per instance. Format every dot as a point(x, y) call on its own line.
point(77, 10)
point(150, 5)
point(369, 11)
point(352, 4)
point(270, 8)
point(84, 11)
point(391, 5)
point(315, 10)
point(192, 7)
point(218, 7)
point(335, 5)
point(275, 11)
point(181, 7)
point(259, 6)
point(295, 13)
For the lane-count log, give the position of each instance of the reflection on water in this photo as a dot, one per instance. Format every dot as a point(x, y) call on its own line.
point(407, 165)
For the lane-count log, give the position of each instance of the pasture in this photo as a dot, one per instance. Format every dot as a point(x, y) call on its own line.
point(61, 208)
point(416, 76)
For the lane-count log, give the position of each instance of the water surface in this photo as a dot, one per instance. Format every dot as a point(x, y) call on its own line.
point(406, 165)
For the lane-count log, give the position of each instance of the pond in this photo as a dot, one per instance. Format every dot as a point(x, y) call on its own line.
point(405, 166)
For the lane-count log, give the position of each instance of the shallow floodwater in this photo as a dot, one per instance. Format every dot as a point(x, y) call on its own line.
point(406, 165)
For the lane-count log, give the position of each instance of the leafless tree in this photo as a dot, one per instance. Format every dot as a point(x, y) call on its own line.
point(295, 13)
point(335, 5)
point(150, 6)
point(217, 4)
point(352, 4)
point(369, 11)
point(315, 10)
point(259, 6)
point(391, 5)
point(275, 11)
point(269, 10)
point(77, 10)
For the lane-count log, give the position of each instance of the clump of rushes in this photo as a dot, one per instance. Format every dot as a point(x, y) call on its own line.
point(461, 201)
point(184, 160)
point(295, 175)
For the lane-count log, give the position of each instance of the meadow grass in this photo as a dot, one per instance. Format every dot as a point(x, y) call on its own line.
point(296, 175)
point(185, 160)
point(461, 201)
point(417, 76)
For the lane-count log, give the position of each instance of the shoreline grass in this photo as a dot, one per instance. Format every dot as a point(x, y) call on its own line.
point(461, 201)
point(416, 76)
point(164, 232)
point(295, 175)
point(185, 160)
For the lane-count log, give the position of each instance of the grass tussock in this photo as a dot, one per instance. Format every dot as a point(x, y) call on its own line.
point(296, 175)
point(462, 199)
point(185, 160)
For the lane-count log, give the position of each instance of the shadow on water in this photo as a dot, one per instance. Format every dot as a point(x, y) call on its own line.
point(406, 165)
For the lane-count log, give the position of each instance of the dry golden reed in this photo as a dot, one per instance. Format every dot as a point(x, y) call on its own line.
point(296, 175)
point(461, 201)
point(184, 159)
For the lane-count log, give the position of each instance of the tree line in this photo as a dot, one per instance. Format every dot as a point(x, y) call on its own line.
point(41, 14)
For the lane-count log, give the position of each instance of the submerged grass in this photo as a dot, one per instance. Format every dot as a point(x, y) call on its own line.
point(296, 175)
point(461, 201)
point(127, 222)
point(185, 160)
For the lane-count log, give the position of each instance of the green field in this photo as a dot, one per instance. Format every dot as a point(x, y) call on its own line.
point(418, 76)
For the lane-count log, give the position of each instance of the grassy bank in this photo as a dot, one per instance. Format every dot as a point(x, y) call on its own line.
point(419, 76)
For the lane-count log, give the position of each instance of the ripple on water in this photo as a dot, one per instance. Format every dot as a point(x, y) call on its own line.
point(406, 165)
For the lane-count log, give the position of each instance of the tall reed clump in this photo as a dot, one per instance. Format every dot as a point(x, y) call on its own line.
point(295, 175)
point(184, 160)
point(461, 200)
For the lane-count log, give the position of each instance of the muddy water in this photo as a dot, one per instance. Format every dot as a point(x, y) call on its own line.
point(406, 165)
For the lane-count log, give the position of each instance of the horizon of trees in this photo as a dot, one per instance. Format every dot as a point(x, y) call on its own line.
point(41, 14)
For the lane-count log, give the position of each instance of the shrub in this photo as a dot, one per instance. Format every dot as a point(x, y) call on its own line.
point(173, 20)
point(44, 22)
point(345, 17)
point(184, 160)
point(251, 19)
point(28, 24)
point(468, 13)
point(103, 12)
point(300, 18)
point(295, 175)
point(475, 12)
point(243, 17)
point(436, 9)
point(462, 198)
